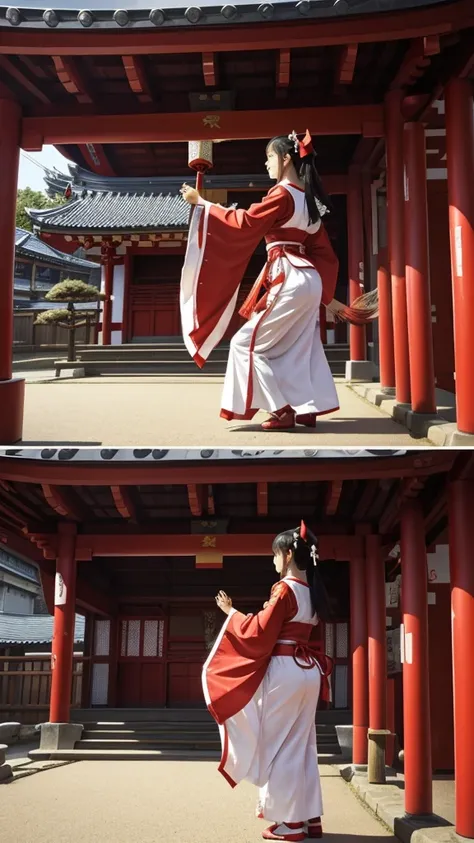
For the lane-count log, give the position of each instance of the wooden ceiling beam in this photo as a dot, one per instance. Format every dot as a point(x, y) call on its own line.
point(210, 69)
point(95, 156)
point(411, 464)
point(416, 61)
point(71, 79)
point(283, 69)
point(346, 64)
point(366, 120)
point(333, 496)
point(23, 80)
point(262, 498)
point(123, 502)
point(197, 493)
point(391, 26)
point(137, 79)
point(61, 501)
point(211, 505)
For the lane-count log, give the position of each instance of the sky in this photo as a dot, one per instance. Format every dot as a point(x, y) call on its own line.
point(31, 175)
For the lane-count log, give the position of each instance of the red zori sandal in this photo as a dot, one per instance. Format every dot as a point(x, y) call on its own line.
point(283, 419)
point(307, 419)
point(314, 828)
point(285, 831)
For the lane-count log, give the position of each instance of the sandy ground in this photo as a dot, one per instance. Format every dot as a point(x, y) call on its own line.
point(184, 413)
point(186, 802)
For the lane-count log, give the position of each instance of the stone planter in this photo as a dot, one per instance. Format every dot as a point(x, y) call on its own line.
point(344, 737)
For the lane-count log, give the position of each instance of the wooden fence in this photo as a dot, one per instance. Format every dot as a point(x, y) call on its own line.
point(25, 686)
point(26, 333)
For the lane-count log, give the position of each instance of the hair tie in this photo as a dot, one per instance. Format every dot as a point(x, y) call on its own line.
point(306, 145)
point(314, 555)
point(303, 530)
point(294, 137)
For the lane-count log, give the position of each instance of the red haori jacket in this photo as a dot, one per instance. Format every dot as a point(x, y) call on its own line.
point(224, 252)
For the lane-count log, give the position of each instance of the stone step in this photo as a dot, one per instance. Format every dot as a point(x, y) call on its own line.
point(144, 755)
point(140, 715)
point(195, 743)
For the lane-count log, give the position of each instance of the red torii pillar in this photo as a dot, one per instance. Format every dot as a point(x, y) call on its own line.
point(64, 621)
point(12, 390)
point(360, 690)
point(396, 242)
point(416, 694)
point(356, 258)
point(460, 157)
point(417, 272)
point(386, 344)
point(376, 634)
point(461, 542)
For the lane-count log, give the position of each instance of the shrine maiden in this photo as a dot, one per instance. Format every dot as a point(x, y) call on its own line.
point(276, 361)
point(262, 682)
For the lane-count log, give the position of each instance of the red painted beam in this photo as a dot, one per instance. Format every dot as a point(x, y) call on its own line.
point(123, 502)
point(347, 63)
point(333, 496)
point(196, 497)
point(23, 80)
point(160, 128)
point(218, 471)
point(211, 505)
point(283, 68)
point(318, 33)
point(88, 546)
point(59, 501)
point(416, 61)
point(71, 79)
point(136, 75)
point(209, 69)
point(262, 498)
point(95, 157)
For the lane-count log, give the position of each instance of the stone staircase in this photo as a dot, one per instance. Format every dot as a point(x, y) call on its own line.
point(169, 358)
point(165, 734)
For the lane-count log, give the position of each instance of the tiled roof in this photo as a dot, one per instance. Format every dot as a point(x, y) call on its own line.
point(116, 211)
point(68, 14)
point(33, 629)
point(30, 245)
point(25, 304)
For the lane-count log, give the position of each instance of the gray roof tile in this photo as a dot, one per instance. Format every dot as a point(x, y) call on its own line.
point(116, 211)
point(29, 244)
point(33, 629)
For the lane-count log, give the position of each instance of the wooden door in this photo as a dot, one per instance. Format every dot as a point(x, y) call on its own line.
point(141, 662)
point(154, 310)
point(336, 645)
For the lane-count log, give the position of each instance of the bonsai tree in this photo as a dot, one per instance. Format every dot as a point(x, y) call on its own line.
point(73, 292)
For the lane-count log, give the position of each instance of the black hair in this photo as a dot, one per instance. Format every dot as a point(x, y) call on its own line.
point(305, 554)
point(306, 168)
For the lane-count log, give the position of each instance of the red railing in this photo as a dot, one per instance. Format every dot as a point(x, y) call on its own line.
point(25, 686)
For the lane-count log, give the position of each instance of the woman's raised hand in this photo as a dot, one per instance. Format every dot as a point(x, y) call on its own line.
point(224, 602)
point(335, 306)
point(190, 194)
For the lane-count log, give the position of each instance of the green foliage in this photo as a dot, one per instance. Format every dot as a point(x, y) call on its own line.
point(73, 290)
point(28, 198)
point(51, 316)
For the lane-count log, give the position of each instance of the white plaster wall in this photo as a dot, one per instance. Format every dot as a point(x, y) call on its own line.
point(117, 304)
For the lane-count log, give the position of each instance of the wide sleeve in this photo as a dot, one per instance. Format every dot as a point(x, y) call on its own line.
point(323, 257)
point(275, 209)
point(240, 657)
point(221, 242)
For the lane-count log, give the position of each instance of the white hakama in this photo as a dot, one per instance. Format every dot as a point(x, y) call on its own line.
point(277, 357)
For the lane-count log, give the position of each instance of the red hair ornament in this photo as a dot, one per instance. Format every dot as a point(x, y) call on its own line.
point(305, 146)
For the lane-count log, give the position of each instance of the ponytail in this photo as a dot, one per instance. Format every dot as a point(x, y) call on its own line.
point(304, 545)
point(317, 200)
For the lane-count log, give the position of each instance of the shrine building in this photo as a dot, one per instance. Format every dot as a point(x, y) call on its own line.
point(384, 87)
point(139, 542)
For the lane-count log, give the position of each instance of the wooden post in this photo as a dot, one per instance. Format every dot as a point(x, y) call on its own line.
point(64, 621)
point(460, 158)
point(376, 765)
point(12, 390)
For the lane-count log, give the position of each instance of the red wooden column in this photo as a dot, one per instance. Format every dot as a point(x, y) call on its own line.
point(63, 629)
point(360, 689)
point(460, 156)
point(376, 634)
point(461, 543)
point(355, 233)
point(12, 390)
point(416, 695)
point(417, 272)
point(386, 347)
point(108, 261)
point(396, 242)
